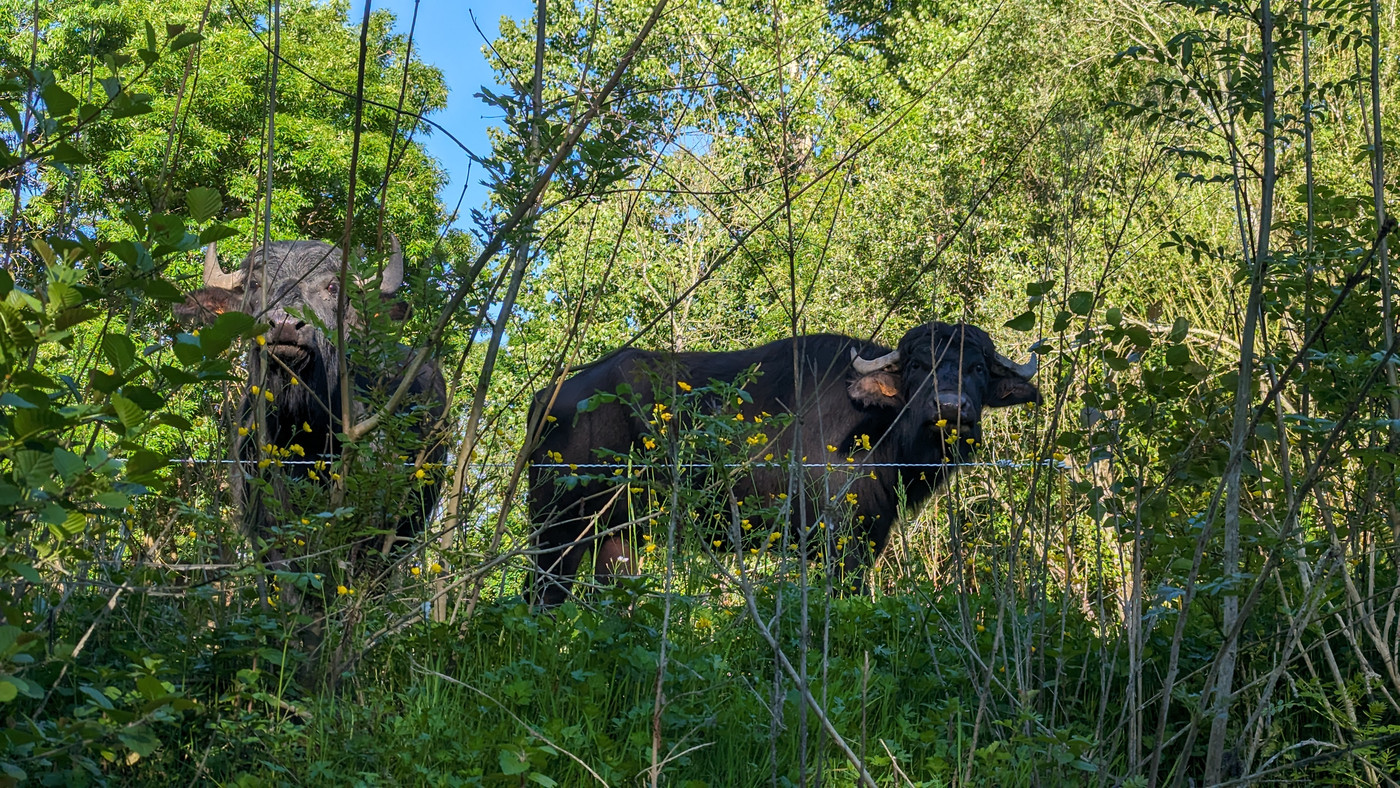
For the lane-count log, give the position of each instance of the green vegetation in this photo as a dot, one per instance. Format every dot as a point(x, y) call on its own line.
point(1186, 569)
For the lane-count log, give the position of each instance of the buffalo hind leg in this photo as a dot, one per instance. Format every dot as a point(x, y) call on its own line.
point(556, 565)
point(613, 559)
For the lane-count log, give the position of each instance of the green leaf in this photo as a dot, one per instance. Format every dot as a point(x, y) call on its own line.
point(59, 101)
point(140, 740)
point(151, 687)
point(184, 40)
point(119, 350)
point(203, 203)
point(1179, 329)
point(1022, 322)
point(228, 326)
point(128, 413)
point(64, 153)
point(1114, 316)
point(1081, 302)
point(8, 690)
point(513, 762)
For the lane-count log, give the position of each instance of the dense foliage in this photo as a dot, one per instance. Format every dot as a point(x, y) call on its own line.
point(1183, 565)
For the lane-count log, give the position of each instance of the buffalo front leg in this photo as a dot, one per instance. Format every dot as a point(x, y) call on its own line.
point(614, 559)
point(561, 550)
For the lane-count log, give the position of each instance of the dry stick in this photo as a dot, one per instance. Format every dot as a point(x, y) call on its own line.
point(517, 275)
point(526, 206)
point(527, 726)
point(746, 588)
point(383, 196)
point(1276, 555)
point(1215, 749)
point(175, 116)
point(1206, 533)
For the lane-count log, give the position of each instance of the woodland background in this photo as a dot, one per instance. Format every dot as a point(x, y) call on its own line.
point(1185, 574)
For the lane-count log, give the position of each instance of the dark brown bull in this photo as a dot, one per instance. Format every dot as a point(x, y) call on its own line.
point(294, 374)
point(916, 405)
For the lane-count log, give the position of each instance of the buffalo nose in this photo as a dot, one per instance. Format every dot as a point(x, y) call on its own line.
point(285, 330)
point(955, 409)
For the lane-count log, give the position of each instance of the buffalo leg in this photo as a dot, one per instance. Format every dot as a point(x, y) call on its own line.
point(614, 559)
point(556, 565)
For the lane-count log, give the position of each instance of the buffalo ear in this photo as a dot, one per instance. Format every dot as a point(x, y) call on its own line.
point(397, 308)
point(875, 390)
point(202, 306)
point(1010, 390)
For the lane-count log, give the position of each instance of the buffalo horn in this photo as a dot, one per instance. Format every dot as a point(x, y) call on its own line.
point(1026, 370)
point(393, 268)
point(214, 276)
point(866, 366)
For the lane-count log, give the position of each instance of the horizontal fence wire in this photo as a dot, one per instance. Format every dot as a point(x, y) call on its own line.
point(1010, 464)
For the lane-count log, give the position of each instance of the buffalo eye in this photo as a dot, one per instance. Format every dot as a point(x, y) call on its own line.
point(979, 368)
point(333, 287)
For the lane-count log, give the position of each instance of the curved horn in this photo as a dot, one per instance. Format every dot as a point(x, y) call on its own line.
point(392, 279)
point(1026, 370)
point(865, 366)
point(214, 275)
point(393, 270)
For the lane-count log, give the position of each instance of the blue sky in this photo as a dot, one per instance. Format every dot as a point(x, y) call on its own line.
point(446, 38)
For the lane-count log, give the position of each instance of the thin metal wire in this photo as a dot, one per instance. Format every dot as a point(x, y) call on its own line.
point(1048, 463)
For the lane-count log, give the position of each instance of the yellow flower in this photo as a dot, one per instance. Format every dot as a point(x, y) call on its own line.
point(831, 448)
point(649, 443)
point(666, 416)
point(738, 417)
point(295, 381)
point(242, 431)
point(746, 524)
point(682, 385)
point(415, 571)
point(551, 419)
point(1059, 456)
point(305, 427)
point(646, 537)
point(718, 543)
point(312, 476)
point(267, 395)
point(775, 536)
point(768, 457)
point(342, 590)
point(296, 447)
point(782, 496)
point(256, 391)
point(941, 423)
point(650, 548)
point(436, 568)
point(335, 477)
point(851, 498)
point(703, 621)
point(981, 628)
point(753, 551)
point(971, 442)
point(305, 521)
point(262, 340)
point(419, 474)
point(263, 463)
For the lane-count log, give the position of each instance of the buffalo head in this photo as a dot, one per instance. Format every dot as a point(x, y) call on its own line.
point(293, 287)
point(941, 377)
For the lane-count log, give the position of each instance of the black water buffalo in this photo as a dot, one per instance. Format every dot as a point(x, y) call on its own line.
point(917, 405)
point(290, 413)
